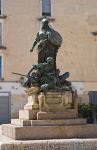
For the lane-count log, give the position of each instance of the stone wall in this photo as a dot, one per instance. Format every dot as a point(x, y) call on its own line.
point(75, 20)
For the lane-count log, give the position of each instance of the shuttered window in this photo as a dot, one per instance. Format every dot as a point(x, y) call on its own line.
point(46, 7)
point(0, 34)
point(93, 97)
point(0, 67)
point(0, 8)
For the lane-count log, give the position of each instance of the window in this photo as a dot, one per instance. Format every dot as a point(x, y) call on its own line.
point(0, 67)
point(0, 7)
point(46, 8)
point(93, 97)
point(0, 34)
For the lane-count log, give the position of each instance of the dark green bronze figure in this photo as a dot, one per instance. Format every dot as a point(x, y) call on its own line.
point(48, 42)
point(39, 74)
point(45, 74)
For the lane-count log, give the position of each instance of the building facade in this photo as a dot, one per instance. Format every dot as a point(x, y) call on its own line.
point(76, 20)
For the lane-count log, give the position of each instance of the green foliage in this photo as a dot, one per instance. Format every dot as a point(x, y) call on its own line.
point(87, 111)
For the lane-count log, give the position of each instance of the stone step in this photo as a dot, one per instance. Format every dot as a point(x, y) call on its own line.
point(20, 122)
point(56, 115)
point(49, 132)
point(32, 115)
point(27, 114)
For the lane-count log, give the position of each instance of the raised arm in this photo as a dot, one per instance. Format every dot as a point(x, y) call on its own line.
point(35, 42)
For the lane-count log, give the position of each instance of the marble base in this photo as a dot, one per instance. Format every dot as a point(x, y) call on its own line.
point(49, 132)
point(20, 122)
point(48, 115)
point(56, 115)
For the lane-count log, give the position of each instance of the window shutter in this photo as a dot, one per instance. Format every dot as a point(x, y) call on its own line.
point(0, 34)
point(0, 6)
point(0, 67)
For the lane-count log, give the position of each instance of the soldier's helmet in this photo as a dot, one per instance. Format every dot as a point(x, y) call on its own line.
point(45, 21)
point(50, 60)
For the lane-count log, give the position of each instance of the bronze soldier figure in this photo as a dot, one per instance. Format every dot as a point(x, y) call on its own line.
point(48, 42)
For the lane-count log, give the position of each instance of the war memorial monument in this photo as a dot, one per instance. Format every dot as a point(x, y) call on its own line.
point(52, 108)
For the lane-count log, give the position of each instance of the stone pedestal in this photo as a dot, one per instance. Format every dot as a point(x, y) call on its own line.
point(50, 131)
point(49, 115)
point(32, 102)
point(56, 115)
point(32, 107)
point(54, 101)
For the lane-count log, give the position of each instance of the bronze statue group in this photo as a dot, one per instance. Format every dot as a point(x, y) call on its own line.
point(45, 74)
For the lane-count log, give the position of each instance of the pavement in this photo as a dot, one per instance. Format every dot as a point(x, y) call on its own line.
point(4, 138)
point(56, 144)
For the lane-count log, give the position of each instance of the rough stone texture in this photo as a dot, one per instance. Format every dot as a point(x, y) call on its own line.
point(36, 145)
point(49, 132)
point(7, 146)
point(20, 122)
point(57, 115)
point(68, 144)
point(73, 144)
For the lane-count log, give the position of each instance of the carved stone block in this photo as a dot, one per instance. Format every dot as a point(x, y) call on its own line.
point(54, 101)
